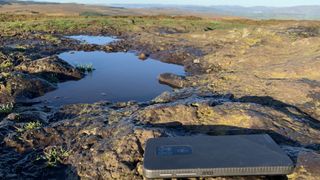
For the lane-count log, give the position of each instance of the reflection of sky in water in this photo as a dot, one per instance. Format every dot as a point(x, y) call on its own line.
point(118, 77)
point(98, 40)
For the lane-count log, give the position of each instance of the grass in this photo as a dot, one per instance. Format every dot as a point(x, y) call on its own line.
point(89, 13)
point(55, 155)
point(6, 108)
point(89, 22)
point(50, 38)
point(29, 126)
point(85, 68)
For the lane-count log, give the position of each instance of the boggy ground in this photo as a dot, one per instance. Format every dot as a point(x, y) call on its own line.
point(243, 77)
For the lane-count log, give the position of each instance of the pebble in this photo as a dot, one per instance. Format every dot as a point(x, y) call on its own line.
point(196, 61)
point(143, 56)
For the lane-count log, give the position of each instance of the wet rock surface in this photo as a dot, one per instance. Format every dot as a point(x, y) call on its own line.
point(51, 68)
point(262, 78)
point(172, 80)
point(106, 141)
point(22, 86)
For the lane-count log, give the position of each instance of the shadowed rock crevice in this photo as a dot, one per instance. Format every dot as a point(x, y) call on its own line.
point(288, 109)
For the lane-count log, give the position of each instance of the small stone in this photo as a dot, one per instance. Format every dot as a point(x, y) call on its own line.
point(108, 48)
point(307, 167)
point(195, 104)
point(13, 116)
point(172, 80)
point(196, 61)
point(140, 168)
point(143, 56)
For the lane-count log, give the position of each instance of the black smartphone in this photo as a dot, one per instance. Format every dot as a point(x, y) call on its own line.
point(211, 156)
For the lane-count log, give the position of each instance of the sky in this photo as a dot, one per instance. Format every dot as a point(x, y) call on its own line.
point(200, 2)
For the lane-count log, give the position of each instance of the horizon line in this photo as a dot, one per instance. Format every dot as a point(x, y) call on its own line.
point(166, 4)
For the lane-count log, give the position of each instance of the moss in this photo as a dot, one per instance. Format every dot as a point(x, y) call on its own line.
point(205, 113)
point(9, 88)
point(5, 65)
point(29, 126)
point(252, 41)
point(51, 38)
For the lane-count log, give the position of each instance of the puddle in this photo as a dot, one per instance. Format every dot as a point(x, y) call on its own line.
point(117, 77)
point(97, 40)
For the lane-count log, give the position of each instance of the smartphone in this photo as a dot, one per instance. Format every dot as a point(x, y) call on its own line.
point(213, 156)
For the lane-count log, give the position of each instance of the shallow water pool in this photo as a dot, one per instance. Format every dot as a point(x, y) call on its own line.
point(97, 40)
point(117, 77)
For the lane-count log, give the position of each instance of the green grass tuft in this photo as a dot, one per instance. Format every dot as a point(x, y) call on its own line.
point(29, 126)
point(55, 155)
point(85, 68)
point(6, 108)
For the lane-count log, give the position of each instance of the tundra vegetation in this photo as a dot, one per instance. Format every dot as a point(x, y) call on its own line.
point(242, 77)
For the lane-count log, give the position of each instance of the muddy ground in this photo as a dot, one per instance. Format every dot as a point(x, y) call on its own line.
point(243, 77)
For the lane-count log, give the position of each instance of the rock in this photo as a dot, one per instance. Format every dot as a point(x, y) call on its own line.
point(123, 104)
point(96, 147)
point(105, 140)
point(172, 80)
point(108, 48)
point(143, 56)
point(303, 31)
point(13, 117)
point(32, 116)
point(21, 85)
point(307, 166)
point(51, 68)
point(232, 117)
point(172, 96)
point(5, 96)
point(196, 61)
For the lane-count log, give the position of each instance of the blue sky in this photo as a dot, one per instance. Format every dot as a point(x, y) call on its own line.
point(200, 2)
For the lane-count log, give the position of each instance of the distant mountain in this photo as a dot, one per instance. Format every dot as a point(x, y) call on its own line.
point(258, 12)
point(3, 2)
point(296, 12)
point(62, 9)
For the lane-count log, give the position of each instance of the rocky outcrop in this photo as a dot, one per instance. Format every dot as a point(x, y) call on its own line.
point(107, 141)
point(5, 96)
point(21, 86)
point(51, 68)
point(104, 146)
point(172, 80)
